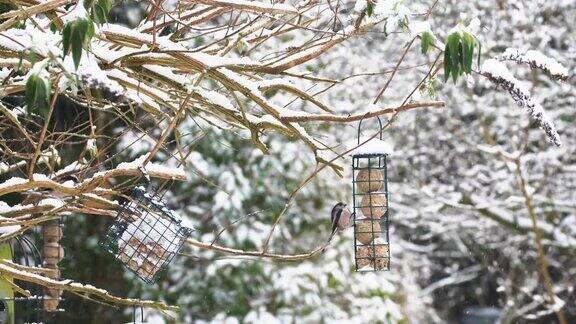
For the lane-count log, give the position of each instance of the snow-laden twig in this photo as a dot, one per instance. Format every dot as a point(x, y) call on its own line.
point(536, 60)
point(87, 290)
point(123, 169)
point(499, 74)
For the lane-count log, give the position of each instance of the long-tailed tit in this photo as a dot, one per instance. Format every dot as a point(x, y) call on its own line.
point(341, 219)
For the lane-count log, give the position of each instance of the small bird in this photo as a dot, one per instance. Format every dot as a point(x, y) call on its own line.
point(341, 219)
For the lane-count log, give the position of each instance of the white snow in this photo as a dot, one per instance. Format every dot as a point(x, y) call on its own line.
point(150, 167)
point(419, 27)
point(536, 60)
point(360, 5)
point(7, 229)
point(96, 78)
point(498, 73)
point(372, 146)
point(12, 182)
point(77, 11)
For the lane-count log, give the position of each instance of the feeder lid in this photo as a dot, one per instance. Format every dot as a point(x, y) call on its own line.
point(374, 146)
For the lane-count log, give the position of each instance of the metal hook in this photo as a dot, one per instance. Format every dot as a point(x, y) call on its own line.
point(360, 125)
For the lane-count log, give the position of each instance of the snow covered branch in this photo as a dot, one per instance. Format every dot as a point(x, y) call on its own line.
point(304, 117)
point(18, 272)
point(536, 60)
point(499, 74)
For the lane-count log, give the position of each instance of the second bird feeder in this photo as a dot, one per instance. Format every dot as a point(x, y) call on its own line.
point(370, 198)
point(146, 235)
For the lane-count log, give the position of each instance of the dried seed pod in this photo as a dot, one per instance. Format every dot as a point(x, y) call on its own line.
point(373, 205)
point(367, 230)
point(369, 180)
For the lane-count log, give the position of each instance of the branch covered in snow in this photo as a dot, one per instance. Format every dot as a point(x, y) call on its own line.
point(87, 291)
point(499, 74)
point(536, 60)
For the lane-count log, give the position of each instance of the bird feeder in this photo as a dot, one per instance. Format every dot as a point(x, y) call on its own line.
point(15, 307)
point(370, 199)
point(145, 235)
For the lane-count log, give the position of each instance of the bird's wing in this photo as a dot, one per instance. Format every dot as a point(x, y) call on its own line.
point(336, 213)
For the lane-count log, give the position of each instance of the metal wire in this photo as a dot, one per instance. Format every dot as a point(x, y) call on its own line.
point(370, 201)
point(146, 235)
point(371, 243)
point(26, 309)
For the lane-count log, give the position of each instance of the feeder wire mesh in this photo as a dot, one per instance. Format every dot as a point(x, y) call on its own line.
point(145, 235)
point(24, 309)
point(371, 215)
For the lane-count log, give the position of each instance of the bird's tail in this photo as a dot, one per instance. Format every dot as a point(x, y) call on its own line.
point(331, 236)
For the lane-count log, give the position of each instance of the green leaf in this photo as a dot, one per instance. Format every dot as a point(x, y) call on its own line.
point(369, 9)
point(78, 37)
point(89, 33)
point(241, 46)
point(468, 52)
point(106, 5)
point(99, 14)
point(32, 57)
point(461, 67)
point(453, 44)
point(38, 95)
point(456, 72)
point(43, 98)
point(66, 37)
point(31, 93)
point(447, 63)
point(427, 40)
point(479, 52)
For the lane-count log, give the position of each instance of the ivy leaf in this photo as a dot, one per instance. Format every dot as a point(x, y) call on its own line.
point(427, 40)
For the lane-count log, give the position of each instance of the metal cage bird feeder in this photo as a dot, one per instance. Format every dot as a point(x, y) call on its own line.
point(15, 307)
point(370, 199)
point(145, 235)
